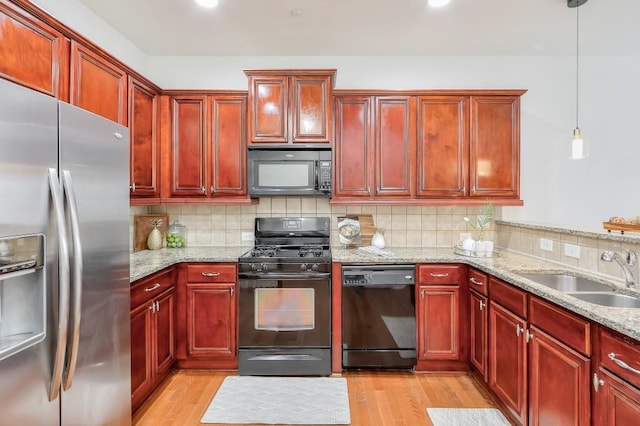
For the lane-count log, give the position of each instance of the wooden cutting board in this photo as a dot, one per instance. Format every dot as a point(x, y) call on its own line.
point(367, 228)
point(142, 227)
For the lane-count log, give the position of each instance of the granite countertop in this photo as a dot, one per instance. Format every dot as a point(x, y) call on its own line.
point(507, 267)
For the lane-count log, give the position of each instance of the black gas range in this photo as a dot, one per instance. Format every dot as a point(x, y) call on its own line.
point(289, 245)
point(285, 299)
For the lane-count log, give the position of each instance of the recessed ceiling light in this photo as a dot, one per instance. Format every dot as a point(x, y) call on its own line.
point(438, 3)
point(207, 3)
point(296, 12)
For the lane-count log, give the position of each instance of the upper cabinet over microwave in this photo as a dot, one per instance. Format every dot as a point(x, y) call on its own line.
point(290, 107)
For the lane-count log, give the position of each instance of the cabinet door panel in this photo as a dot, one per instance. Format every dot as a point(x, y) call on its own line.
point(145, 153)
point(97, 85)
point(141, 339)
point(619, 402)
point(443, 139)
point(33, 54)
point(211, 320)
point(395, 145)
point(495, 146)
point(478, 332)
point(310, 109)
point(164, 319)
point(268, 113)
point(228, 144)
point(353, 144)
point(559, 383)
point(438, 323)
point(188, 146)
point(508, 359)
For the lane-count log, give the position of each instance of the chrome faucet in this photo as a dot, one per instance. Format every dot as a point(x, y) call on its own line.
point(629, 265)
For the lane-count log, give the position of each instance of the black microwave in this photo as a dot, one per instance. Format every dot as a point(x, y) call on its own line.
point(289, 172)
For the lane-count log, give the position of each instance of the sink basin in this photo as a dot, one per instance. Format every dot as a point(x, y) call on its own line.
point(566, 283)
point(613, 300)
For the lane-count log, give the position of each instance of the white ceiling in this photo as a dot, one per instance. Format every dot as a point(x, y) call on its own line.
point(374, 27)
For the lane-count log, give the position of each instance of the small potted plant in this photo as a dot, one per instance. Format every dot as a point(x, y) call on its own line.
point(378, 238)
point(483, 221)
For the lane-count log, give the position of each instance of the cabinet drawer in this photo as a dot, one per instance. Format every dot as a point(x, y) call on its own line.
point(508, 296)
point(439, 274)
point(626, 356)
point(568, 328)
point(148, 288)
point(478, 281)
point(211, 273)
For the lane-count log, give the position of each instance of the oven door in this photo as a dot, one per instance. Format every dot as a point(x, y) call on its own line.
point(284, 311)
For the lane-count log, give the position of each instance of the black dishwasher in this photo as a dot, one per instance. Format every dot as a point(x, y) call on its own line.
point(378, 316)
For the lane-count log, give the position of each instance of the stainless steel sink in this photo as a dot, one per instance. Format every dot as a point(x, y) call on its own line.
point(566, 282)
point(613, 300)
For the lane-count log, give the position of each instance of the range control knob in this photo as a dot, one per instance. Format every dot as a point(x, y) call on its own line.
point(303, 267)
point(314, 267)
point(263, 267)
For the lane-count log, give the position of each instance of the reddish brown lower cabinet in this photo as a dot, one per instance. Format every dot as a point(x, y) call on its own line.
point(479, 323)
point(508, 360)
point(558, 382)
point(617, 401)
point(441, 340)
point(152, 334)
point(208, 308)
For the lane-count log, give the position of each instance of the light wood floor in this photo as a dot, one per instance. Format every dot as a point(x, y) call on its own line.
point(375, 398)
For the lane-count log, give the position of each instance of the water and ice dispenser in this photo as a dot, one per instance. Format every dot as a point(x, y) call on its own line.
point(22, 293)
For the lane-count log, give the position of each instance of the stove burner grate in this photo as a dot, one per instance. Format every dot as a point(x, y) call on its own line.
point(265, 251)
point(310, 250)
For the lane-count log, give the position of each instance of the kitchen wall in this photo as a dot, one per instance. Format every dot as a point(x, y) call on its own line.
point(556, 190)
point(405, 226)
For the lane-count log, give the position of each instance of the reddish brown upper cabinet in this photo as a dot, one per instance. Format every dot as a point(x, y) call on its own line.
point(374, 147)
point(32, 53)
point(443, 146)
point(97, 84)
point(441, 342)
point(207, 148)
point(144, 140)
point(290, 106)
point(494, 170)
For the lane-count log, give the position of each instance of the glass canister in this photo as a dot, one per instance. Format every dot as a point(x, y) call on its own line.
point(176, 235)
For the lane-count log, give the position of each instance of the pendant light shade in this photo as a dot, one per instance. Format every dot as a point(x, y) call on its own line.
point(579, 147)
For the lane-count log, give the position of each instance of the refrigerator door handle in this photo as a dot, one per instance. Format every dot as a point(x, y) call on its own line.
point(63, 283)
point(76, 274)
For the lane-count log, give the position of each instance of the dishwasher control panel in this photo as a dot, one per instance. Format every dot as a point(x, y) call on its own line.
point(369, 275)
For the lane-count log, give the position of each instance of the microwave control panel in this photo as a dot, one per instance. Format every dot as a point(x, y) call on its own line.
point(324, 176)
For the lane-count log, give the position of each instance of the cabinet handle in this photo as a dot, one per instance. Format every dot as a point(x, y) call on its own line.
point(157, 306)
point(482, 304)
point(519, 330)
point(597, 382)
point(153, 287)
point(422, 294)
point(152, 308)
point(203, 189)
point(476, 282)
point(210, 274)
point(211, 189)
point(233, 291)
point(133, 187)
point(622, 364)
point(463, 189)
point(528, 336)
point(438, 275)
point(473, 189)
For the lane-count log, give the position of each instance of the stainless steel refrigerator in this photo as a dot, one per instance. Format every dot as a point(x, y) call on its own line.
point(64, 264)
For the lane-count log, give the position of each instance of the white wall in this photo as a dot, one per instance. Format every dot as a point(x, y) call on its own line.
point(77, 16)
point(555, 189)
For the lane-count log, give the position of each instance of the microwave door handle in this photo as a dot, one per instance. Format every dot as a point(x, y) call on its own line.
point(316, 185)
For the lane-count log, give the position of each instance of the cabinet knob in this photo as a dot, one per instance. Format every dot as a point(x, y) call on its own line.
point(519, 330)
point(482, 304)
point(528, 336)
point(597, 382)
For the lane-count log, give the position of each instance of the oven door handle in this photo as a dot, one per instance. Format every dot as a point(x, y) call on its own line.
point(296, 276)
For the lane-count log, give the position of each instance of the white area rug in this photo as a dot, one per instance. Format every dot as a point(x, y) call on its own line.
point(467, 417)
point(280, 400)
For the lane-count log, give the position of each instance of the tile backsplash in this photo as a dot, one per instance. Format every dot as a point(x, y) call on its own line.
point(405, 226)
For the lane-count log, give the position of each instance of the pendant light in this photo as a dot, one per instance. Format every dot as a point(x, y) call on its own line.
point(579, 148)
